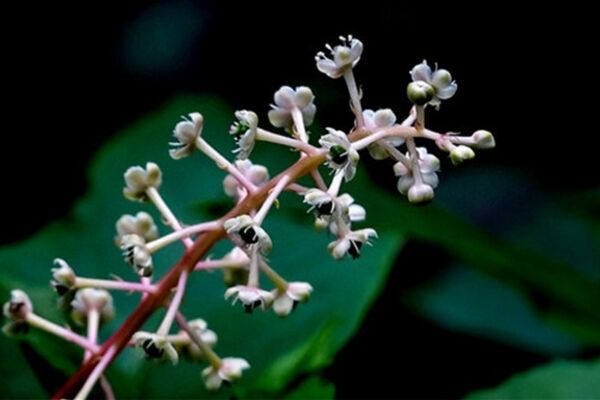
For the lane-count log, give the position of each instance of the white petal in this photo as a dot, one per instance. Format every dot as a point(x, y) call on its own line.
point(356, 49)
point(285, 97)
point(431, 179)
point(377, 152)
point(421, 72)
point(384, 118)
point(280, 118)
point(356, 213)
point(308, 114)
point(304, 97)
point(441, 78)
point(283, 305)
point(447, 92)
point(329, 67)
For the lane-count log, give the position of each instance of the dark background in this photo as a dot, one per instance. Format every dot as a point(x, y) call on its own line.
point(76, 74)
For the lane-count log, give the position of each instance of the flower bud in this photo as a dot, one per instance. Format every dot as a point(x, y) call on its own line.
point(483, 140)
point(92, 299)
point(63, 278)
point(420, 194)
point(461, 153)
point(19, 305)
point(420, 92)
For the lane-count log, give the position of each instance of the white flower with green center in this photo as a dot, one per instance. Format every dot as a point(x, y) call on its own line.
point(186, 132)
point(138, 179)
point(343, 57)
point(141, 224)
point(89, 299)
point(251, 297)
point(229, 371)
point(287, 101)
point(137, 255)
point(255, 173)
point(63, 277)
point(340, 154)
point(250, 232)
point(376, 120)
point(244, 131)
point(428, 166)
point(286, 300)
point(439, 80)
point(351, 243)
point(155, 347)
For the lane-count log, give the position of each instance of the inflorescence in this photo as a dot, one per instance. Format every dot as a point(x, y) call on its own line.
point(293, 110)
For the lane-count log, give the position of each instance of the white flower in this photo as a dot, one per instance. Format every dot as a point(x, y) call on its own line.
point(229, 371)
point(326, 204)
point(255, 173)
point(250, 232)
point(19, 305)
point(286, 100)
point(16, 310)
point(186, 132)
point(344, 56)
point(236, 276)
point(137, 255)
point(190, 348)
point(155, 347)
point(375, 121)
point(428, 165)
point(351, 243)
point(250, 297)
point(440, 80)
point(141, 224)
point(286, 301)
point(244, 131)
point(63, 278)
point(88, 299)
point(460, 154)
point(340, 154)
point(139, 179)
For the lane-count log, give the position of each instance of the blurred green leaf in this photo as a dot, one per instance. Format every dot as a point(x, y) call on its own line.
point(465, 300)
point(556, 380)
point(279, 350)
point(313, 388)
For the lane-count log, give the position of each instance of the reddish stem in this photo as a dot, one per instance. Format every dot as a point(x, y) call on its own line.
point(202, 245)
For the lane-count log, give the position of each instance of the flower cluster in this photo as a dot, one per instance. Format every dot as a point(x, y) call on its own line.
point(246, 227)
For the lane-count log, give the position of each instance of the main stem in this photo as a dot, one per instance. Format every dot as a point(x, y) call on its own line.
point(118, 341)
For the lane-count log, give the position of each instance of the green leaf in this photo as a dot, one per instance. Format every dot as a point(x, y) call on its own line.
point(312, 388)
point(465, 300)
point(556, 380)
point(279, 350)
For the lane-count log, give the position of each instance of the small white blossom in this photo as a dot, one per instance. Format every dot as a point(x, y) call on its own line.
point(19, 305)
point(137, 255)
point(250, 297)
point(16, 311)
point(440, 80)
point(483, 140)
point(255, 173)
point(141, 224)
point(325, 205)
point(189, 347)
point(428, 165)
point(244, 131)
point(229, 371)
point(351, 243)
point(376, 120)
point(63, 277)
point(287, 99)
point(236, 276)
point(340, 153)
point(186, 132)
point(89, 298)
point(286, 301)
point(344, 56)
point(155, 347)
point(138, 179)
point(250, 232)
point(460, 154)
